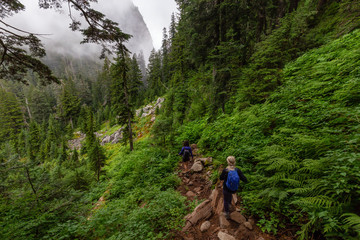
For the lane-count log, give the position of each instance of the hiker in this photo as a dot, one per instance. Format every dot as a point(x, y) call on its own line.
point(186, 152)
point(231, 176)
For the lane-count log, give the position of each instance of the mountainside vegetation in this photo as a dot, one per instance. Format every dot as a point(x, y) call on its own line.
point(274, 83)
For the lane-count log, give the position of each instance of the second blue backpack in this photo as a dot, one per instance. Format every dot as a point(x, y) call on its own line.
point(232, 182)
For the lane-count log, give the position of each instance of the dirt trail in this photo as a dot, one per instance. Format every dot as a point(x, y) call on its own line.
point(207, 220)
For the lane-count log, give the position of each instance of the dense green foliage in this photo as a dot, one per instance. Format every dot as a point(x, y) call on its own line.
point(274, 83)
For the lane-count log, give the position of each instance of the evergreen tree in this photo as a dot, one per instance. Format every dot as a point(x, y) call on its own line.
point(96, 157)
point(70, 105)
point(63, 155)
point(101, 88)
point(124, 92)
point(155, 86)
point(135, 83)
point(172, 28)
point(11, 117)
point(38, 104)
point(90, 132)
point(74, 157)
point(142, 65)
point(165, 68)
point(34, 140)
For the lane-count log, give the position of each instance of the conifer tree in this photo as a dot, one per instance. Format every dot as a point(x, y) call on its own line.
point(142, 65)
point(70, 105)
point(135, 83)
point(123, 93)
point(96, 157)
point(11, 117)
point(172, 28)
point(90, 129)
point(74, 157)
point(63, 155)
point(155, 86)
point(165, 67)
point(34, 141)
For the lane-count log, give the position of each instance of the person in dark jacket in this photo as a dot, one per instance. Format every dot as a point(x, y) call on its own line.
point(186, 152)
point(226, 191)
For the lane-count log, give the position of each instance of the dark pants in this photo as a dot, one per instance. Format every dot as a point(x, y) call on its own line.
point(227, 200)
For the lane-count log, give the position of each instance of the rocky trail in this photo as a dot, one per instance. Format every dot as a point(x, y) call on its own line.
point(207, 220)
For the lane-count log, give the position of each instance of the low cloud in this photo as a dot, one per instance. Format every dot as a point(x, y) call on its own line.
point(60, 39)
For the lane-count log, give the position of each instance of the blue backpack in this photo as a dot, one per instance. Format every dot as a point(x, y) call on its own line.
point(232, 182)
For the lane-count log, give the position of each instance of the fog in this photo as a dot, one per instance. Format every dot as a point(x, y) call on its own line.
point(60, 39)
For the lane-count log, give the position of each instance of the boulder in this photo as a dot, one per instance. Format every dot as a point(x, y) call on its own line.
point(105, 140)
point(117, 136)
point(251, 221)
point(197, 167)
point(248, 225)
point(197, 190)
point(224, 236)
point(190, 194)
point(205, 161)
point(137, 112)
point(205, 226)
point(224, 223)
point(201, 212)
point(220, 206)
point(234, 199)
point(242, 233)
point(237, 217)
point(160, 100)
point(193, 146)
point(215, 195)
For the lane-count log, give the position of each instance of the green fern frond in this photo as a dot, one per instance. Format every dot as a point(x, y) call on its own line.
point(318, 201)
point(311, 166)
point(305, 229)
point(276, 178)
point(281, 164)
point(273, 193)
point(264, 192)
point(300, 191)
point(292, 182)
point(352, 220)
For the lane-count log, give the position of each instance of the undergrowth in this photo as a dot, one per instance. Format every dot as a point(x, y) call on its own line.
point(299, 149)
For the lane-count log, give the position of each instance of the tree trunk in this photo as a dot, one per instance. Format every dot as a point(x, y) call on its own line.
point(28, 109)
point(130, 133)
point(31, 184)
point(71, 123)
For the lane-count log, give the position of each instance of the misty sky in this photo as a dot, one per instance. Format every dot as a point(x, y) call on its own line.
point(156, 14)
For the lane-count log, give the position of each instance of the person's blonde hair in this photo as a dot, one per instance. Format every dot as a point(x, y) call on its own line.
point(231, 161)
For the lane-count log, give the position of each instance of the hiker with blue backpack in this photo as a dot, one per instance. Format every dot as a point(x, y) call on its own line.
point(186, 152)
point(231, 176)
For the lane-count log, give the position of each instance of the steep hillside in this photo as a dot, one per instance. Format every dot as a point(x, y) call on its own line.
point(300, 148)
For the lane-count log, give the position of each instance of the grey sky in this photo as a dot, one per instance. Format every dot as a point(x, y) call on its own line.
point(157, 15)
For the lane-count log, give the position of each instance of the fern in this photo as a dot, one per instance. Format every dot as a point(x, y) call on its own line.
point(353, 220)
point(281, 164)
point(318, 202)
point(292, 182)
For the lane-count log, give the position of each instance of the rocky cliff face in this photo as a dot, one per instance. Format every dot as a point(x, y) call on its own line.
point(64, 42)
point(130, 21)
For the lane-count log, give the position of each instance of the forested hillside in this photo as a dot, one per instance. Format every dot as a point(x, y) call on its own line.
point(274, 83)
